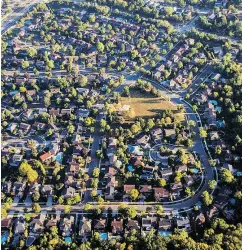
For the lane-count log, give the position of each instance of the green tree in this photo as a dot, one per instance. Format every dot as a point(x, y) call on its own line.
point(134, 193)
point(207, 198)
point(95, 172)
point(36, 208)
point(131, 213)
point(212, 184)
point(25, 64)
point(226, 175)
point(162, 182)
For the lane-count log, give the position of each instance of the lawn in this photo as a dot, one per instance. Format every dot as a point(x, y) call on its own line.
point(146, 105)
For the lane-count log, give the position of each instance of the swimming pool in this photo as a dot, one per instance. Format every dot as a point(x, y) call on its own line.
point(59, 157)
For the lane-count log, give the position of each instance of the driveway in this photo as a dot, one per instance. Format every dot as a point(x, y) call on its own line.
point(49, 201)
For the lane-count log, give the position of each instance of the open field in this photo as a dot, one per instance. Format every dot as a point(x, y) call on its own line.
point(145, 104)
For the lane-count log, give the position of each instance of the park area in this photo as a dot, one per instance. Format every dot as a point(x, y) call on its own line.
point(146, 105)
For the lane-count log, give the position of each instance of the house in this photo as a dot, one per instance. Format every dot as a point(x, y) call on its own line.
point(222, 198)
point(183, 223)
point(132, 225)
point(161, 193)
point(83, 113)
point(46, 190)
point(145, 190)
point(176, 187)
point(85, 228)
point(198, 219)
point(110, 191)
point(170, 133)
point(46, 156)
point(99, 225)
point(6, 224)
point(6, 187)
point(68, 192)
point(128, 188)
point(18, 188)
point(24, 127)
point(37, 224)
point(16, 160)
point(74, 168)
point(28, 113)
point(19, 226)
point(143, 140)
point(164, 224)
point(166, 173)
point(181, 168)
point(214, 136)
point(66, 225)
point(156, 133)
point(188, 180)
point(52, 222)
point(149, 223)
point(211, 213)
point(117, 226)
point(11, 127)
point(149, 169)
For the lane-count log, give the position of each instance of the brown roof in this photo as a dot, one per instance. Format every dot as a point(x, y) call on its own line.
point(128, 188)
point(161, 192)
point(45, 156)
point(117, 225)
point(145, 188)
point(5, 223)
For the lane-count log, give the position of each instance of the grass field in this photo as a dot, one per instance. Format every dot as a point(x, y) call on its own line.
point(145, 104)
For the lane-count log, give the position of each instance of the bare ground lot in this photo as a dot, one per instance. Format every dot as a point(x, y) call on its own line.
point(146, 105)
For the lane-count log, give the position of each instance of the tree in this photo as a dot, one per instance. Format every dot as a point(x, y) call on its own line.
point(88, 207)
point(100, 47)
point(159, 209)
point(32, 52)
point(94, 193)
point(36, 208)
point(134, 193)
point(25, 64)
point(95, 172)
point(207, 198)
point(162, 182)
point(131, 212)
point(226, 175)
point(67, 209)
point(212, 184)
point(36, 196)
point(203, 133)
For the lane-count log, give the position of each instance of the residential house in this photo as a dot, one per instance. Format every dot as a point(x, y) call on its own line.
point(183, 224)
point(166, 173)
point(46, 190)
point(143, 140)
point(100, 225)
point(85, 228)
point(188, 180)
point(24, 127)
point(128, 188)
point(68, 192)
point(6, 224)
point(149, 223)
point(6, 187)
point(165, 224)
point(161, 193)
point(37, 224)
point(19, 226)
point(46, 156)
point(16, 160)
point(132, 225)
point(117, 227)
point(145, 190)
point(66, 225)
point(18, 188)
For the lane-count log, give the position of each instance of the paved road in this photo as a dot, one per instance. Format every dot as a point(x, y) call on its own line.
point(18, 13)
